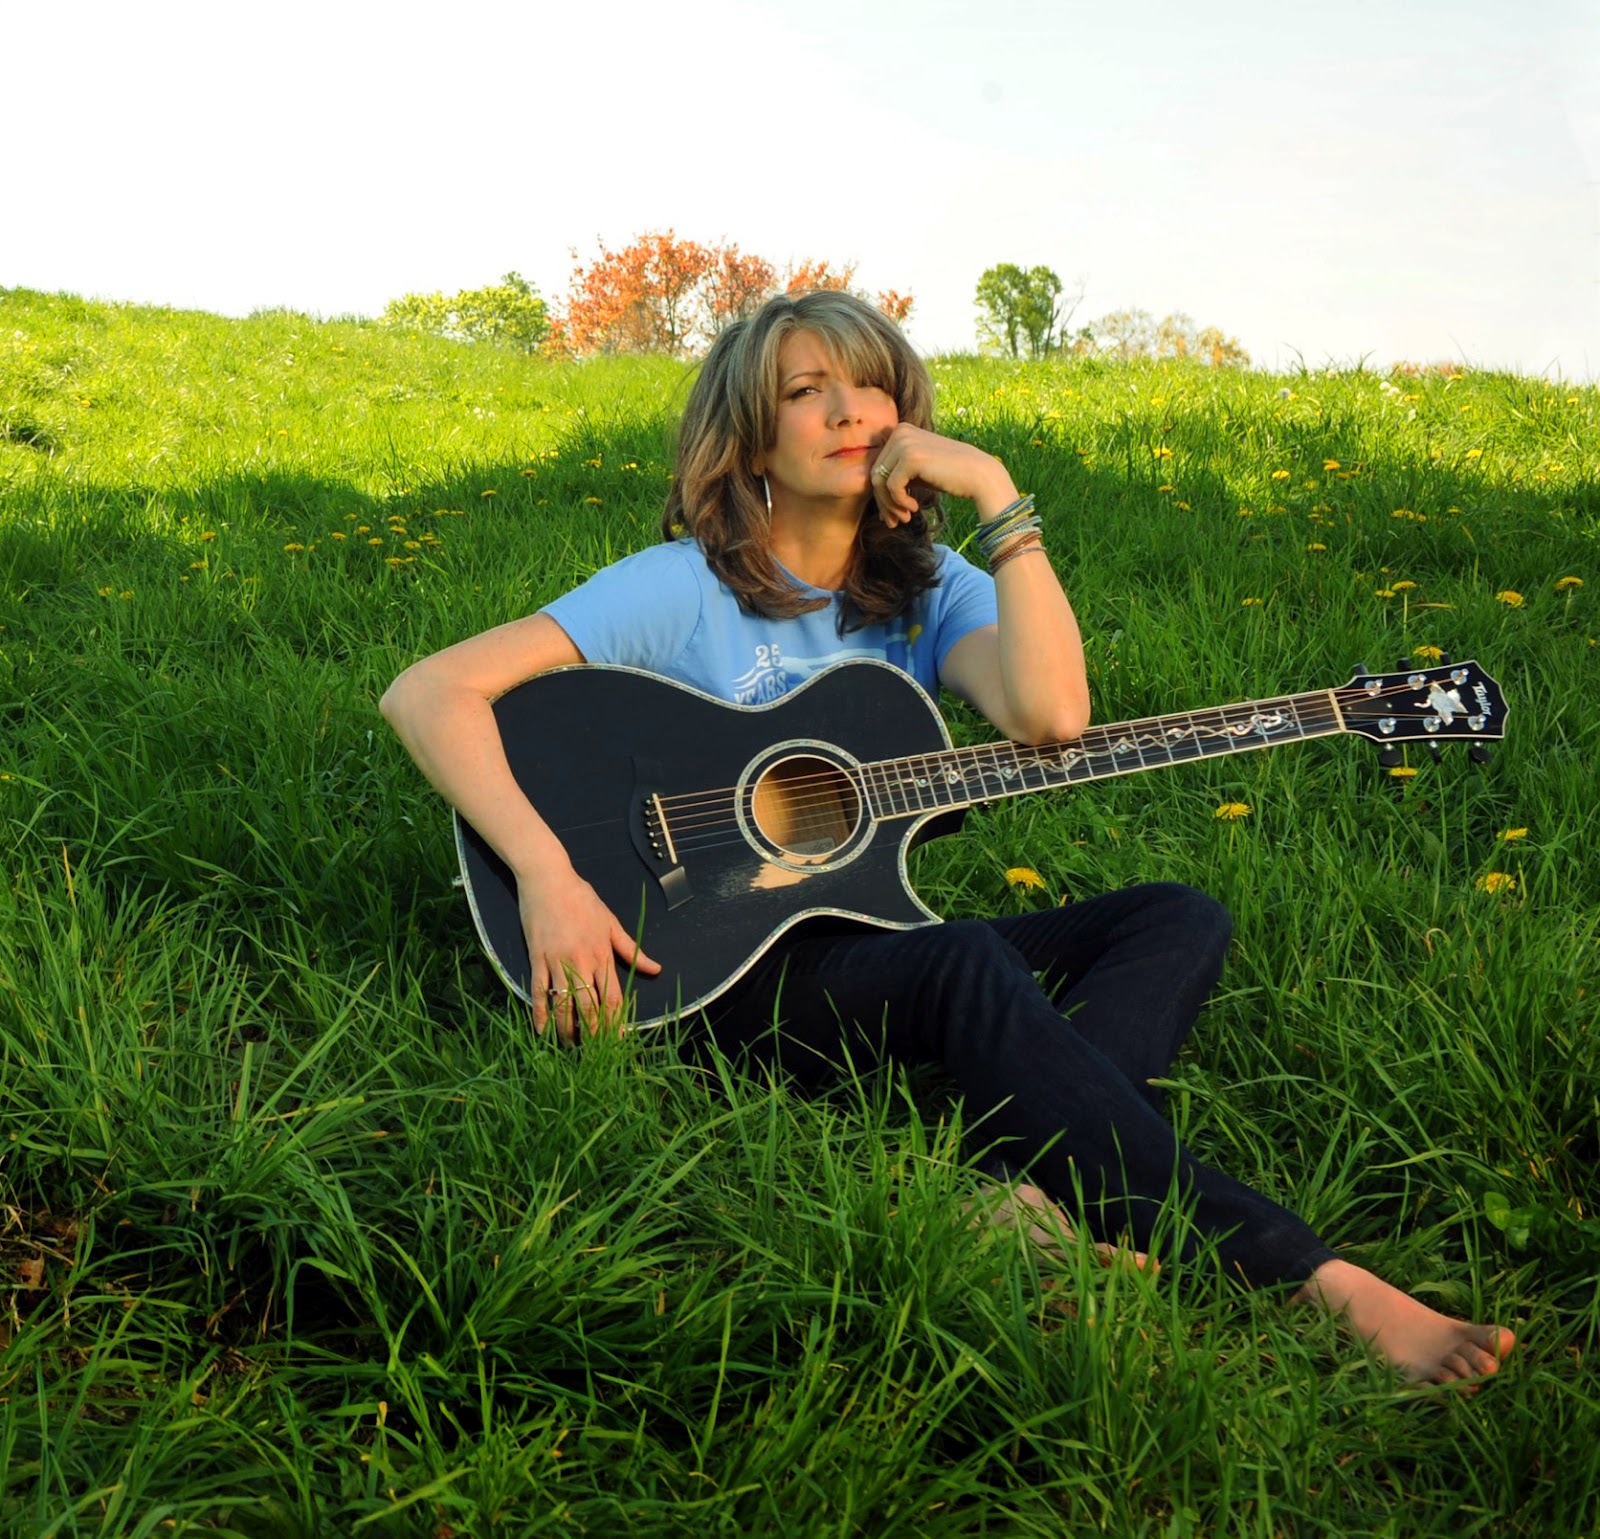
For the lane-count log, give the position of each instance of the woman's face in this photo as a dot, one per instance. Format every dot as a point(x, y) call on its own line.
point(829, 428)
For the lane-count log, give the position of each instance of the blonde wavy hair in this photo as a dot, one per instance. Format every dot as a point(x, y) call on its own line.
point(732, 417)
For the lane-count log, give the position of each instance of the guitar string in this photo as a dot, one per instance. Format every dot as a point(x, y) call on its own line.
point(1096, 740)
point(827, 813)
point(1097, 743)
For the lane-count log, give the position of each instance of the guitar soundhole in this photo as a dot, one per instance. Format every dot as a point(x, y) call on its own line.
point(807, 807)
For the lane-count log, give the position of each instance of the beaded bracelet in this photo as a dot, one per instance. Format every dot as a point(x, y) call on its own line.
point(1017, 518)
point(1021, 548)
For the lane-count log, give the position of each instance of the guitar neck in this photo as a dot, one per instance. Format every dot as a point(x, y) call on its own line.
point(960, 777)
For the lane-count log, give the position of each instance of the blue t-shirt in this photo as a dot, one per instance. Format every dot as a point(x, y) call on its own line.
point(664, 609)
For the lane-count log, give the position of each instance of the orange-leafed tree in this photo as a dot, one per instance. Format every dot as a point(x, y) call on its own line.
point(665, 295)
point(645, 298)
point(807, 277)
point(735, 287)
point(894, 304)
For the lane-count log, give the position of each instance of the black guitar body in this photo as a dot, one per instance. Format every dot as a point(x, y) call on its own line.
point(702, 834)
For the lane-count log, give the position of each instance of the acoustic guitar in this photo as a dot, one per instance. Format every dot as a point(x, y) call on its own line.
point(712, 829)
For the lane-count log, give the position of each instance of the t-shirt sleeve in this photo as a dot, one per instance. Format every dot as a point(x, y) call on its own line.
point(964, 602)
point(641, 611)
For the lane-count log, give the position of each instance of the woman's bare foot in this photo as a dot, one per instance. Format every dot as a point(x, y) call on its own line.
point(1420, 1344)
point(1031, 1210)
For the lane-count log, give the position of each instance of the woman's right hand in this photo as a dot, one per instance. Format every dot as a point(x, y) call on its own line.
point(574, 943)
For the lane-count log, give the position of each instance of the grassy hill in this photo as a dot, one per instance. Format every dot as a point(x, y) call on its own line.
point(304, 1232)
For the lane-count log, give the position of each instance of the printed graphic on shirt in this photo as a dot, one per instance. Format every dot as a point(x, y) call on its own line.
point(763, 682)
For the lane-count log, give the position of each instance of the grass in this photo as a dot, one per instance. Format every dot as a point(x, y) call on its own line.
point(303, 1232)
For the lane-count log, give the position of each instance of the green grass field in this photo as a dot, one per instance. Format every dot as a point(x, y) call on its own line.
point(304, 1232)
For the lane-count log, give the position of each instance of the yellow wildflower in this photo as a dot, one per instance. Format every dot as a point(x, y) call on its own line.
point(375, 540)
point(1429, 654)
point(1024, 877)
point(1564, 583)
point(1162, 452)
point(209, 535)
point(1512, 834)
point(1383, 592)
point(1474, 454)
point(1400, 587)
point(1510, 596)
point(1280, 475)
point(1330, 465)
point(1315, 546)
point(1248, 603)
point(1496, 881)
point(294, 547)
point(1402, 772)
point(1231, 812)
point(488, 491)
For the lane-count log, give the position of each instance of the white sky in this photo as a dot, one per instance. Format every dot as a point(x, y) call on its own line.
point(1369, 178)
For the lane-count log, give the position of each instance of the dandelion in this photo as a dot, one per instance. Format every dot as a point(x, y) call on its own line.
point(1383, 592)
point(294, 547)
point(1182, 507)
point(1496, 881)
point(413, 544)
point(1473, 454)
point(208, 536)
point(1511, 835)
point(1511, 598)
point(1026, 878)
point(531, 470)
point(488, 491)
point(197, 566)
point(375, 540)
point(1331, 465)
point(1402, 772)
point(1248, 603)
point(1566, 584)
point(1315, 545)
point(1280, 475)
point(1231, 812)
point(593, 502)
point(1403, 585)
point(363, 528)
point(105, 592)
point(1162, 452)
point(1427, 654)
point(338, 534)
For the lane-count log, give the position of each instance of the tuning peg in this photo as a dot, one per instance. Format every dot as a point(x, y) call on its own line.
point(1360, 668)
point(1390, 758)
point(1446, 659)
point(1404, 664)
point(1479, 753)
point(1436, 751)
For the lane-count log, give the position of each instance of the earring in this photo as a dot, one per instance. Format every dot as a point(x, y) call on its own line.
point(767, 488)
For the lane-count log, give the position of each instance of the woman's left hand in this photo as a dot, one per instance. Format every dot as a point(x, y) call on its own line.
point(912, 459)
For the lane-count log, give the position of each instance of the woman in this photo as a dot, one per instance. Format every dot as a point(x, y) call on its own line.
point(799, 531)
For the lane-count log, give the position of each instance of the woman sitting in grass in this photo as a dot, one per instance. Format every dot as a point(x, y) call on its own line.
point(798, 532)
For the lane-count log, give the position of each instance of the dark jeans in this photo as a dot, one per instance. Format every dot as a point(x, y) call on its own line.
point(1054, 1070)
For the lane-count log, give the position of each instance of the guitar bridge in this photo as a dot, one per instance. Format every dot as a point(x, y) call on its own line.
point(652, 840)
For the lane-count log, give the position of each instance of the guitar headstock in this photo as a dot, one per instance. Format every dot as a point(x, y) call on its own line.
point(1455, 701)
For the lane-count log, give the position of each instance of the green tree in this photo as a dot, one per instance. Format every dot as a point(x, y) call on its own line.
point(509, 312)
point(1020, 307)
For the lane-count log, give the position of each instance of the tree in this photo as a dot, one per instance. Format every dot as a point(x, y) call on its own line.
point(665, 295)
point(1126, 334)
point(509, 312)
point(644, 298)
point(1021, 307)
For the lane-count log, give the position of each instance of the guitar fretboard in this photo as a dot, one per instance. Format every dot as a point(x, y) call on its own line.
point(960, 777)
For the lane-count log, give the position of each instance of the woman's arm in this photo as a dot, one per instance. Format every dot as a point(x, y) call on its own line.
point(441, 710)
point(1027, 673)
